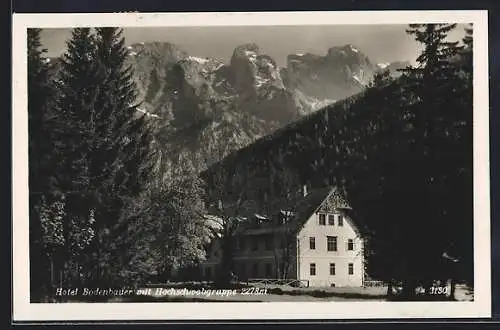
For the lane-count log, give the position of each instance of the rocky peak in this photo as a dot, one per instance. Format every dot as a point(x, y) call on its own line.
point(341, 72)
point(346, 50)
point(162, 51)
point(254, 70)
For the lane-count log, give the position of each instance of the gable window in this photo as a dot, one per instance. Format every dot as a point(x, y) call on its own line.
point(350, 244)
point(322, 219)
point(312, 269)
point(331, 220)
point(332, 269)
point(331, 243)
point(340, 221)
point(312, 243)
point(351, 269)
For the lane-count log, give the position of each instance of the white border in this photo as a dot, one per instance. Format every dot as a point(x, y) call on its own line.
point(23, 310)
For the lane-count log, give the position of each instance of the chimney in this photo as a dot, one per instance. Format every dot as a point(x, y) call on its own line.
point(304, 190)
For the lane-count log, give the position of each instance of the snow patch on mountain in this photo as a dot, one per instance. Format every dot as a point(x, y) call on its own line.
point(259, 81)
point(197, 59)
point(148, 114)
point(355, 77)
point(319, 104)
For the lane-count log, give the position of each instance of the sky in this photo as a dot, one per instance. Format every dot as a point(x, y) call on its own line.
point(381, 43)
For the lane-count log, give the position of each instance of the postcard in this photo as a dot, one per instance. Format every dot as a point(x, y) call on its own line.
point(251, 166)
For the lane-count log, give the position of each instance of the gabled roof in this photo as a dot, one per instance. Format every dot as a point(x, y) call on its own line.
point(324, 199)
point(316, 199)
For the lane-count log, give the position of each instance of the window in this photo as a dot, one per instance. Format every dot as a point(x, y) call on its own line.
point(280, 242)
point(350, 244)
point(269, 272)
point(340, 221)
point(312, 269)
point(255, 243)
point(331, 220)
point(331, 243)
point(256, 269)
point(208, 272)
point(322, 219)
point(243, 270)
point(351, 269)
point(312, 243)
point(268, 242)
point(332, 269)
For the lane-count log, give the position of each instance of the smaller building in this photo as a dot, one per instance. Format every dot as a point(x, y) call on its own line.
point(317, 242)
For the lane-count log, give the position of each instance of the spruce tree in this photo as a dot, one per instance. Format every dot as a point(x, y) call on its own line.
point(73, 141)
point(122, 158)
point(426, 167)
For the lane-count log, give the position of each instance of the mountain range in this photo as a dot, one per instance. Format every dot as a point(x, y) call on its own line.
point(205, 109)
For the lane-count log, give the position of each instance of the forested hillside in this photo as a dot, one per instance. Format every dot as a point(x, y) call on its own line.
point(402, 153)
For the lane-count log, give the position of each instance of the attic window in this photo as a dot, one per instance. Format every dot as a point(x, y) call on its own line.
point(340, 220)
point(331, 220)
point(322, 219)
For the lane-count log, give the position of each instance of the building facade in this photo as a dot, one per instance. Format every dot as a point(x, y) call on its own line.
point(318, 243)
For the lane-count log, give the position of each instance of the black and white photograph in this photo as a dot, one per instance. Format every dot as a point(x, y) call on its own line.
point(248, 163)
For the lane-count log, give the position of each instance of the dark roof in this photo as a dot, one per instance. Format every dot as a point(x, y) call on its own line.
point(312, 202)
point(315, 199)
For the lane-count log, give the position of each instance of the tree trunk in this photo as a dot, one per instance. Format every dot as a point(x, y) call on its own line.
point(453, 286)
point(389, 289)
point(226, 261)
point(408, 291)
